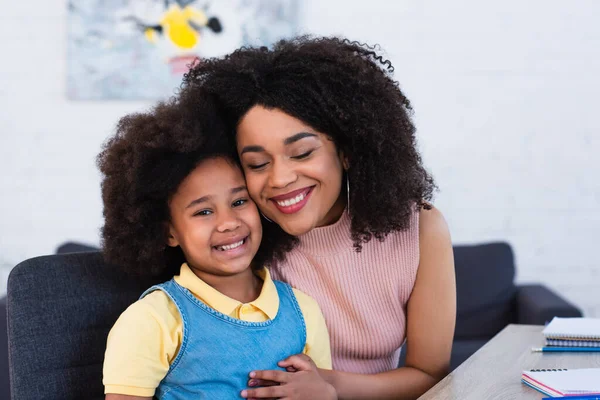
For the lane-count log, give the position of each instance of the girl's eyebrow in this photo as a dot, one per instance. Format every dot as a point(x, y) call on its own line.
point(287, 141)
point(238, 189)
point(207, 198)
point(198, 201)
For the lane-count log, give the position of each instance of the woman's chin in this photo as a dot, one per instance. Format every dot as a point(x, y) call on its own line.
point(297, 228)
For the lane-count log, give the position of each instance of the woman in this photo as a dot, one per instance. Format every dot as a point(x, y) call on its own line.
point(327, 145)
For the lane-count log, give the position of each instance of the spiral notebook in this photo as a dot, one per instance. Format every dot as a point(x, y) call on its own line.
point(579, 332)
point(564, 382)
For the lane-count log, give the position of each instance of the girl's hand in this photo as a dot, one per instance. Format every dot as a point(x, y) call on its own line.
point(305, 383)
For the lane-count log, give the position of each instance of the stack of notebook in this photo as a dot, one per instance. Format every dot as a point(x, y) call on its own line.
point(568, 334)
point(573, 332)
point(563, 382)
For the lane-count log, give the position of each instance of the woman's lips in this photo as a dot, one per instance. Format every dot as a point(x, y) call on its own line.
point(293, 201)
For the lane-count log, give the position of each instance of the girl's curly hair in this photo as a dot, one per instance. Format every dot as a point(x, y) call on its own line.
point(345, 90)
point(143, 165)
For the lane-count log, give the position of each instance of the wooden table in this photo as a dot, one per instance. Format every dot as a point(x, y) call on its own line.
point(494, 371)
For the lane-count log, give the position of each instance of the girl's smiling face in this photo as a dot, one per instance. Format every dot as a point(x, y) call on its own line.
point(214, 221)
point(293, 172)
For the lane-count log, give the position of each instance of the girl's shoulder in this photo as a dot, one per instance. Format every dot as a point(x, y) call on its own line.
point(156, 306)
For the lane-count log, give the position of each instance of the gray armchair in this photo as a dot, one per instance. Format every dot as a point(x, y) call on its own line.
point(60, 309)
point(4, 381)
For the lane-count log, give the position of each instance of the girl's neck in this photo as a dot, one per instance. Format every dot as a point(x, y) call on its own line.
point(244, 287)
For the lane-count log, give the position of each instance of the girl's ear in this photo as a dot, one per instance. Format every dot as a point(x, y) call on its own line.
point(171, 238)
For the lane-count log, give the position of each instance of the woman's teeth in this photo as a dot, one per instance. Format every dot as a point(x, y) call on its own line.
point(291, 202)
point(231, 246)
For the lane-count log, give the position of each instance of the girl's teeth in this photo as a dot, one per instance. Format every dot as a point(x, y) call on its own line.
point(231, 246)
point(291, 202)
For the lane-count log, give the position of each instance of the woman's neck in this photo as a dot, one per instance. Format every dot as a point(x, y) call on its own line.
point(335, 212)
point(333, 238)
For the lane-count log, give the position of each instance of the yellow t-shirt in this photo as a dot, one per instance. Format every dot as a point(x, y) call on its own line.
point(147, 336)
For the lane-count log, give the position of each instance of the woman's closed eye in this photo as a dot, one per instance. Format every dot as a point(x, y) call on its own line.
point(259, 166)
point(256, 166)
point(303, 155)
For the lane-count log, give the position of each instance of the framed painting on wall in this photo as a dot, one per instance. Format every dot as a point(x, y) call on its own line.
point(140, 49)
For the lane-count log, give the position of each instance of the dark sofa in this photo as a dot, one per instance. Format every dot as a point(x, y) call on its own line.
point(487, 301)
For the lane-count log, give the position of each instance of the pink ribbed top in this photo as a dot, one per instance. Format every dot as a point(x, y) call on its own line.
point(363, 295)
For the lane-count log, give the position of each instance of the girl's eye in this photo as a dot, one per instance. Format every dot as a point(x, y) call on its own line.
point(203, 212)
point(303, 155)
point(256, 166)
point(239, 202)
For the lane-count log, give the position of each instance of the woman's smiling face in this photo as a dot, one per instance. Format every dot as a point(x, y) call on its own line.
point(293, 173)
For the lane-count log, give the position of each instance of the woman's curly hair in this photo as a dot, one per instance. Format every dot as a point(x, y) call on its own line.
point(345, 90)
point(143, 165)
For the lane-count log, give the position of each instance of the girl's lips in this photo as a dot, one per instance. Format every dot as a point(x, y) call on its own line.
point(293, 208)
point(232, 240)
point(232, 253)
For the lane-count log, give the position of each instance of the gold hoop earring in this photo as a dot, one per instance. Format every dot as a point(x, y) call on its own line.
point(348, 194)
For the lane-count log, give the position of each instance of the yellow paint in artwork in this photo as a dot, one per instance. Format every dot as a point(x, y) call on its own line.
point(151, 35)
point(195, 15)
point(175, 22)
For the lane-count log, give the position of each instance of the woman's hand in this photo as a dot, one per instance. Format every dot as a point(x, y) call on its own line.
point(304, 383)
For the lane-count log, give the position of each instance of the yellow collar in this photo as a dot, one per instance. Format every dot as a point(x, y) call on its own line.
point(267, 301)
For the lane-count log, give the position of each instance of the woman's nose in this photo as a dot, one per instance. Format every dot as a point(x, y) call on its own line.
point(281, 175)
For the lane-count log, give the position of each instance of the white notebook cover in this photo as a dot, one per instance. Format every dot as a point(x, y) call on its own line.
point(567, 381)
point(576, 328)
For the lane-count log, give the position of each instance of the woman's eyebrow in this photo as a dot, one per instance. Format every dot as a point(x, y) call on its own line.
point(252, 149)
point(287, 141)
point(298, 136)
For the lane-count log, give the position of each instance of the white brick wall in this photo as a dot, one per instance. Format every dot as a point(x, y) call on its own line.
point(505, 95)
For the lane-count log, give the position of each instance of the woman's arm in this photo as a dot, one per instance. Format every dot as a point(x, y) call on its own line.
point(431, 317)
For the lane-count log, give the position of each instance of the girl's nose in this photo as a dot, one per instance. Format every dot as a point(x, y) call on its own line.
point(228, 221)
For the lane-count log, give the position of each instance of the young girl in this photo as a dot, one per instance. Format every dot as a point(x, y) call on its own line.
point(172, 192)
point(329, 153)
